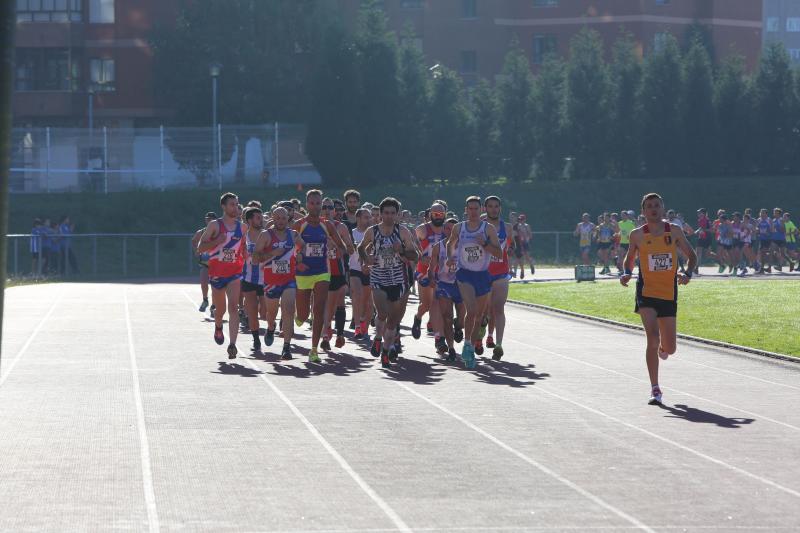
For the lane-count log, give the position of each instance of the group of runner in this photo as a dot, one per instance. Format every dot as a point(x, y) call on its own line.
point(302, 261)
point(736, 242)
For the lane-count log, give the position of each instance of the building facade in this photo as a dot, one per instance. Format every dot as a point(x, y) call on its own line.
point(782, 24)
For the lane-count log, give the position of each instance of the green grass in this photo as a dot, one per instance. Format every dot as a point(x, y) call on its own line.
point(759, 314)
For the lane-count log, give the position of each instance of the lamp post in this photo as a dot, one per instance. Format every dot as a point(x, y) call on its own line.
point(214, 70)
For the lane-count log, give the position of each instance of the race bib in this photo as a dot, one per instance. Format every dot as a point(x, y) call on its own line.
point(659, 262)
point(281, 267)
point(228, 255)
point(332, 253)
point(315, 249)
point(472, 253)
point(387, 259)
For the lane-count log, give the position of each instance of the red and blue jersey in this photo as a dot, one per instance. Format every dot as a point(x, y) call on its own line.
point(426, 245)
point(499, 265)
point(252, 272)
point(227, 259)
point(281, 270)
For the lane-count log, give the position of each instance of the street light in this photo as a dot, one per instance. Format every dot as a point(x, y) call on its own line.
point(214, 70)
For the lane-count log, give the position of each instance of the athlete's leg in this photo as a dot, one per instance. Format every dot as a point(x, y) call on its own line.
point(218, 299)
point(651, 327)
point(339, 314)
point(233, 291)
point(320, 300)
point(499, 295)
point(474, 314)
point(356, 299)
point(381, 302)
point(272, 313)
point(396, 310)
point(303, 304)
point(204, 282)
point(667, 331)
point(287, 314)
point(446, 312)
point(251, 308)
point(482, 307)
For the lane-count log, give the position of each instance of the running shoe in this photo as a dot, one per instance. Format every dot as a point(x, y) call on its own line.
point(490, 342)
point(364, 329)
point(416, 329)
point(325, 344)
point(269, 337)
point(204, 305)
point(286, 353)
point(655, 396)
point(211, 310)
point(430, 328)
point(385, 363)
point(256, 344)
point(533, 270)
point(469, 362)
point(478, 348)
point(441, 346)
point(339, 341)
point(298, 322)
point(452, 355)
point(219, 337)
point(730, 268)
point(376, 347)
point(721, 269)
point(312, 356)
point(522, 275)
point(662, 354)
point(398, 346)
point(392, 353)
point(458, 334)
point(482, 331)
point(352, 324)
point(232, 351)
point(358, 335)
point(497, 353)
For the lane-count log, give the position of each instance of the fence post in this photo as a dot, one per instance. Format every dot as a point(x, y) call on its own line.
point(94, 255)
point(277, 159)
point(558, 235)
point(157, 258)
point(105, 160)
point(47, 175)
point(161, 149)
point(124, 256)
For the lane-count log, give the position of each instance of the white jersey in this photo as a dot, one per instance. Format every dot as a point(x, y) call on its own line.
point(445, 273)
point(471, 255)
point(358, 236)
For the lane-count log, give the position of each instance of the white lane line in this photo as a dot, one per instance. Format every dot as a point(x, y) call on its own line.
point(385, 507)
point(144, 446)
point(707, 400)
point(555, 475)
point(27, 344)
point(682, 360)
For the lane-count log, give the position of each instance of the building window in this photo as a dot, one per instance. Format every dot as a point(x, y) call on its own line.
point(545, 3)
point(412, 4)
point(794, 53)
point(101, 11)
point(542, 46)
point(49, 10)
point(43, 69)
point(469, 61)
point(773, 24)
point(102, 75)
point(660, 40)
point(793, 24)
point(469, 9)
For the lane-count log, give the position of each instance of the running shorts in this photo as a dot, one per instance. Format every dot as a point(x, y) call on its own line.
point(423, 280)
point(337, 282)
point(219, 282)
point(306, 283)
point(393, 292)
point(480, 280)
point(274, 292)
point(664, 308)
point(497, 277)
point(361, 276)
point(250, 287)
point(450, 291)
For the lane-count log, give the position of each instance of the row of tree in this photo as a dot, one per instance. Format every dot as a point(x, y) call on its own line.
point(375, 110)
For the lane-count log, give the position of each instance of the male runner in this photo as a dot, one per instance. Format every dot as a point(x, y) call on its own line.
point(764, 227)
point(704, 237)
point(499, 271)
point(470, 246)
point(656, 245)
point(584, 231)
point(253, 272)
point(778, 238)
point(335, 307)
point(604, 232)
point(202, 260)
point(523, 236)
point(360, 290)
point(389, 242)
point(313, 274)
point(352, 201)
point(447, 289)
point(223, 239)
point(428, 235)
point(791, 234)
point(626, 226)
point(279, 277)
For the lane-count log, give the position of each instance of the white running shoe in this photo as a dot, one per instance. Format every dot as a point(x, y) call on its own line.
point(655, 396)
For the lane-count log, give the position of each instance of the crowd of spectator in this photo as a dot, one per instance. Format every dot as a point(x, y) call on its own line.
point(51, 247)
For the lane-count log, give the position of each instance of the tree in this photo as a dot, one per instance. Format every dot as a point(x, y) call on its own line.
point(586, 106)
point(484, 112)
point(450, 145)
point(415, 105)
point(733, 116)
point(514, 99)
point(775, 107)
point(548, 104)
point(625, 129)
point(699, 131)
point(660, 99)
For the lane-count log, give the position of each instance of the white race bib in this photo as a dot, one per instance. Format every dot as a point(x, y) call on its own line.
point(332, 253)
point(228, 255)
point(472, 253)
point(280, 266)
point(315, 249)
point(387, 258)
point(659, 262)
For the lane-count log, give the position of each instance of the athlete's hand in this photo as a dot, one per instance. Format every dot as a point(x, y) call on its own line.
point(624, 279)
point(451, 261)
point(397, 247)
point(301, 267)
point(683, 279)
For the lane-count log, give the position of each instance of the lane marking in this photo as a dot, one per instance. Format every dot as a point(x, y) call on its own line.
point(577, 488)
point(385, 507)
point(27, 344)
point(144, 446)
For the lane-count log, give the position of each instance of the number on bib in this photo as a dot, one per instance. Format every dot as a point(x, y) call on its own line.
point(472, 254)
point(228, 255)
point(280, 267)
point(659, 262)
point(315, 249)
point(387, 259)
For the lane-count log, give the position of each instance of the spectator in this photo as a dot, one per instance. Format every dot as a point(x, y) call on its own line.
point(65, 229)
point(37, 255)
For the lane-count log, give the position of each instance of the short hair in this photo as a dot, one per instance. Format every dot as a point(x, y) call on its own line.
point(438, 206)
point(440, 202)
point(351, 192)
point(254, 203)
point(286, 204)
point(389, 202)
point(296, 201)
point(37, 221)
point(451, 220)
point(652, 196)
point(250, 212)
point(471, 199)
point(737, 214)
point(211, 214)
point(363, 211)
point(313, 192)
point(488, 198)
point(778, 209)
point(225, 197)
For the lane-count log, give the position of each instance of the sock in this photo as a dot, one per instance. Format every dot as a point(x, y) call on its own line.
point(339, 318)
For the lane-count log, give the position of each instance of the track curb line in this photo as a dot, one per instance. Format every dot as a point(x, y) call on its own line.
point(699, 340)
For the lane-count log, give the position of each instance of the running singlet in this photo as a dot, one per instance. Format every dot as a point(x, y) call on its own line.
point(426, 244)
point(625, 229)
point(315, 251)
point(471, 255)
point(725, 233)
point(791, 230)
point(335, 260)
point(778, 230)
point(358, 236)
point(746, 232)
point(764, 229)
point(604, 233)
point(585, 233)
point(388, 269)
point(658, 264)
point(704, 224)
point(227, 259)
point(499, 265)
point(445, 273)
point(252, 273)
point(280, 270)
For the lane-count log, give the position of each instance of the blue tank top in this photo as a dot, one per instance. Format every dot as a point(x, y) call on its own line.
point(777, 234)
point(315, 251)
point(764, 229)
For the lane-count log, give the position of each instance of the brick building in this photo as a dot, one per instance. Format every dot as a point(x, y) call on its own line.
point(782, 24)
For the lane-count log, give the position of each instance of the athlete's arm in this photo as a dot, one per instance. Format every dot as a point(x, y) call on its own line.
point(452, 242)
point(259, 253)
point(196, 240)
point(344, 234)
point(492, 245)
point(630, 257)
point(212, 237)
point(410, 249)
point(434, 263)
point(362, 247)
point(686, 248)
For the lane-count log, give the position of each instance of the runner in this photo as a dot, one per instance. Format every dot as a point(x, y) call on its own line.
point(223, 239)
point(499, 271)
point(389, 243)
point(474, 241)
point(604, 232)
point(202, 260)
point(747, 231)
point(764, 227)
point(703, 238)
point(253, 272)
point(791, 241)
point(626, 226)
point(313, 274)
point(584, 231)
point(352, 201)
point(360, 290)
point(523, 236)
point(778, 239)
point(656, 245)
point(428, 235)
point(279, 277)
point(335, 307)
point(447, 289)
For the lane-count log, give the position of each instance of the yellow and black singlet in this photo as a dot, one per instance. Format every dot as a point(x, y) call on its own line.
point(658, 265)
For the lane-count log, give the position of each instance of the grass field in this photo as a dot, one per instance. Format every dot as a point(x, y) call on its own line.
point(759, 314)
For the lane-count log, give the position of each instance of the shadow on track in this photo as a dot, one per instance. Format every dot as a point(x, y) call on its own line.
point(699, 416)
point(235, 369)
point(416, 371)
point(337, 364)
point(488, 371)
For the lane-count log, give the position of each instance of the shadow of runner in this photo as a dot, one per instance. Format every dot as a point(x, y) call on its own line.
point(234, 369)
point(495, 372)
point(337, 364)
point(415, 371)
point(699, 416)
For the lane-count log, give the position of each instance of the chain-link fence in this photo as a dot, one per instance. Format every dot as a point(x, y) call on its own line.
point(120, 159)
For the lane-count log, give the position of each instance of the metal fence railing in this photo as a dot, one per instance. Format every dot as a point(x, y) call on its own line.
point(49, 159)
point(147, 255)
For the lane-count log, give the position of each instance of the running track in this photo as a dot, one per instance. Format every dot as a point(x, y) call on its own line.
point(120, 413)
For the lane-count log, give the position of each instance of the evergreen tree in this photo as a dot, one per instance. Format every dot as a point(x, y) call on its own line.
point(699, 131)
point(775, 107)
point(625, 130)
point(415, 105)
point(484, 112)
point(733, 111)
point(514, 99)
point(548, 104)
point(586, 108)
point(450, 144)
